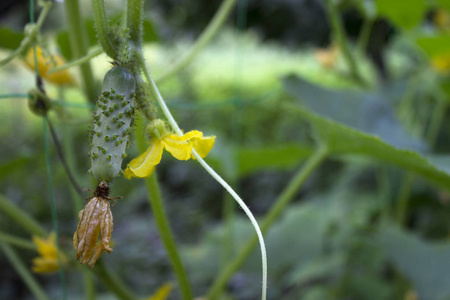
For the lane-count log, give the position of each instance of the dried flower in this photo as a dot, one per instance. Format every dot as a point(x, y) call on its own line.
point(47, 262)
point(95, 218)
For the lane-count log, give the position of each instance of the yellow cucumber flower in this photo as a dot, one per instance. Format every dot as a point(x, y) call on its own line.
point(47, 262)
point(47, 62)
point(179, 146)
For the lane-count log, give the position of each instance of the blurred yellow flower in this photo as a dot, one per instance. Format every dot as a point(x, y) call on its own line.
point(442, 19)
point(441, 63)
point(179, 146)
point(162, 293)
point(47, 262)
point(47, 62)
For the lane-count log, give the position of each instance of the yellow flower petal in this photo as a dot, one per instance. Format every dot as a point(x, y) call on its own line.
point(144, 164)
point(44, 265)
point(203, 145)
point(162, 293)
point(46, 63)
point(47, 262)
point(178, 147)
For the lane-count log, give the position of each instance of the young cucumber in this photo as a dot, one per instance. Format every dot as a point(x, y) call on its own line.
point(112, 123)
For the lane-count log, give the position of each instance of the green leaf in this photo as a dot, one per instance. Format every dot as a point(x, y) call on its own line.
point(274, 157)
point(149, 33)
point(426, 265)
point(344, 127)
point(404, 14)
point(62, 39)
point(445, 4)
point(435, 45)
point(10, 39)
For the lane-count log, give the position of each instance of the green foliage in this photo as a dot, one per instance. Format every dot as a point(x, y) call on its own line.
point(426, 264)
point(435, 44)
point(333, 116)
point(405, 15)
point(10, 39)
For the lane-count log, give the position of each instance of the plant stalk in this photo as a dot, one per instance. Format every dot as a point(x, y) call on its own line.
point(112, 282)
point(342, 41)
point(165, 232)
point(210, 31)
point(79, 46)
point(20, 217)
point(103, 31)
point(16, 241)
point(135, 10)
point(285, 197)
point(23, 271)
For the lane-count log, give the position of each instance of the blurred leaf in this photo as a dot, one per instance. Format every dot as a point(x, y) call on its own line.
point(328, 112)
point(275, 157)
point(10, 39)
point(14, 165)
point(149, 33)
point(435, 45)
point(318, 268)
point(62, 39)
point(402, 14)
point(445, 4)
point(366, 112)
point(427, 265)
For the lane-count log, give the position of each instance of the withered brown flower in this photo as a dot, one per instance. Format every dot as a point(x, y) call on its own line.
point(95, 218)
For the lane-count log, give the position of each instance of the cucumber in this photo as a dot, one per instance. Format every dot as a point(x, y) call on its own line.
point(112, 124)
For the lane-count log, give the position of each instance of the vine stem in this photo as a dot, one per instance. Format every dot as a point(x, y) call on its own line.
point(338, 30)
point(166, 235)
point(277, 208)
point(53, 208)
point(79, 47)
point(135, 10)
point(101, 24)
point(21, 217)
point(62, 157)
point(203, 40)
point(112, 282)
point(79, 61)
point(31, 36)
point(161, 221)
point(16, 241)
point(216, 176)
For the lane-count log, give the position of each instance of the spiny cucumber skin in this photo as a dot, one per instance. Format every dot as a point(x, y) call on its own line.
point(112, 123)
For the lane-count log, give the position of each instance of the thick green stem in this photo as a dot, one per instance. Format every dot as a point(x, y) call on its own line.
point(403, 197)
point(436, 120)
point(162, 223)
point(112, 282)
point(103, 32)
point(23, 271)
point(79, 46)
point(135, 11)
point(16, 241)
point(160, 218)
point(20, 217)
point(89, 286)
point(366, 30)
point(204, 39)
point(342, 41)
point(286, 196)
